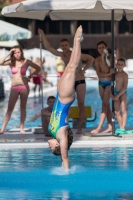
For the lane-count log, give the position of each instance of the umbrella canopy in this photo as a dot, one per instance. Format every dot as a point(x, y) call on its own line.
point(70, 9)
point(12, 32)
point(8, 43)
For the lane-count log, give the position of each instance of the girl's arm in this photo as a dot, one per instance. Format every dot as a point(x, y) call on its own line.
point(3, 60)
point(64, 153)
point(35, 66)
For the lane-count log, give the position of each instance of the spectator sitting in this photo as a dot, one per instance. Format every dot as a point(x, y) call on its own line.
point(45, 115)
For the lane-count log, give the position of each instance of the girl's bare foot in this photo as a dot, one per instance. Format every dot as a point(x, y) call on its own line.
point(95, 131)
point(1, 132)
point(78, 34)
point(22, 131)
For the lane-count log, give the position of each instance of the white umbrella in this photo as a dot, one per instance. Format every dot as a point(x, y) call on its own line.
point(70, 9)
point(8, 43)
point(75, 10)
point(12, 32)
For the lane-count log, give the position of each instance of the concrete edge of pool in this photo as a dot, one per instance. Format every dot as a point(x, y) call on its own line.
point(78, 144)
point(14, 140)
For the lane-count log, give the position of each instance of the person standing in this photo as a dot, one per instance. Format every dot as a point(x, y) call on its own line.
point(19, 88)
point(104, 73)
point(120, 95)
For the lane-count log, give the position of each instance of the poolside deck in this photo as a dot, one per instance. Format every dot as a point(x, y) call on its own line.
point(34, 138)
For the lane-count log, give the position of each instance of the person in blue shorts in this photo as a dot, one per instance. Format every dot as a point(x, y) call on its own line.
point(104, 72)
point(58, 126)
point(120, 95)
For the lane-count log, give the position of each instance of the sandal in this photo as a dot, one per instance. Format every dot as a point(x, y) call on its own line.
point(121, 131)
point(129, 131)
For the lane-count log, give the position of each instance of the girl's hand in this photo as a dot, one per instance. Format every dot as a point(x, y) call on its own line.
point(29, 78)
point(12, 50)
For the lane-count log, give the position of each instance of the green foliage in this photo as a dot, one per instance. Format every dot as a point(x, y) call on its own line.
point(4, 3)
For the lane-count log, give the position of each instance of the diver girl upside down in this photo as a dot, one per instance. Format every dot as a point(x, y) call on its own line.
point(58, 126)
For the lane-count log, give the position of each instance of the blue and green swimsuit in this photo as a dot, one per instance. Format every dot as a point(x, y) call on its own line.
point(58, 116)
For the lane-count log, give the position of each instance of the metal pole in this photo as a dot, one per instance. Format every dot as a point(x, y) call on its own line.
point(40, 41)
point(113, 76)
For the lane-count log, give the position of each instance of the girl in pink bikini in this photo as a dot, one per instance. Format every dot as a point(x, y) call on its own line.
point(19, 87)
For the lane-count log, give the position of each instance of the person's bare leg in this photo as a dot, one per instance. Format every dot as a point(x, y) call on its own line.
point(78, 36)
point(109, 119)
point(101, 93)
point(123, 99)
point(34, 89)
point(23, 101)
point(105, 104)
point(40, 89)
point(12, 101)
point(80, 90)
point(117, 112)
point(67, 80)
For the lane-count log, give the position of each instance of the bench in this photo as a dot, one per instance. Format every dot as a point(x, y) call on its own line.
point(73, 115)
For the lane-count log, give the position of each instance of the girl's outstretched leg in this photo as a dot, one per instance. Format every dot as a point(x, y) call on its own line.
point(67, 81)
point(77, 39)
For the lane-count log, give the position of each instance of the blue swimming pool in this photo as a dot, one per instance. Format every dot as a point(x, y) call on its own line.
point(95, 174)
point(92, 98)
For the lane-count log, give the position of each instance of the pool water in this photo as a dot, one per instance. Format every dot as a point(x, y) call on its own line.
point(92, 98)
point(95, 173)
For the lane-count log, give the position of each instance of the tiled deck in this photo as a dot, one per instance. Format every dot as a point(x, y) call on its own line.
point(33, 138)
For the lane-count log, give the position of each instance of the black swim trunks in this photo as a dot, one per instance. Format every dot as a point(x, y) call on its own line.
point(79, 82)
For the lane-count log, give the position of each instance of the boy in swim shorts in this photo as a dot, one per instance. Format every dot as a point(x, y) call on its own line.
point(120, 95)
point(104, 73)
